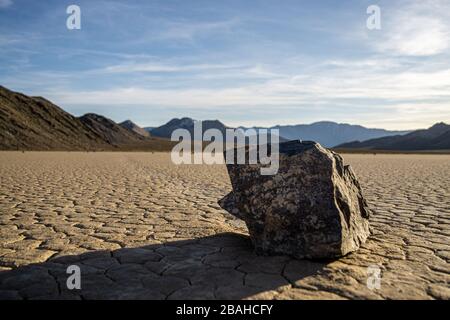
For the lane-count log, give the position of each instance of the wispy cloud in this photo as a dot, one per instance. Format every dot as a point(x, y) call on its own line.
point(188, 30)
point(5, 3)
point(418, 29)
point(6, 40)
point(156, 67)
point(320, 84)
point(275, 63)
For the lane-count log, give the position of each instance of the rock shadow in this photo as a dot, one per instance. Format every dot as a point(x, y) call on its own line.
point(221, 266)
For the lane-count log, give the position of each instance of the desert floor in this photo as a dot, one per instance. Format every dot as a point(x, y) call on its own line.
point(141, 227)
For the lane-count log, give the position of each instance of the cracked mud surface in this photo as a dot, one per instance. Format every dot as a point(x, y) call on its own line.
point(140, 227)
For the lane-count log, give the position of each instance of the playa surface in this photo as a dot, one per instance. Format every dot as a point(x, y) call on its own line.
point(140, 227)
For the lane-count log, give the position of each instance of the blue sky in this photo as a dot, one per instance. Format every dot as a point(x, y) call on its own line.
point(243, 62)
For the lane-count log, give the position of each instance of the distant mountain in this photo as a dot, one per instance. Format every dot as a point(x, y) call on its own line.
point(165, 131)
point(436, 137)
point(130, 125)
point(34, 123)
point(330, 134)
point(326, 133)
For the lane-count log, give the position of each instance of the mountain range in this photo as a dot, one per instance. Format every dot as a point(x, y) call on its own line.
point(165, 131)
point(328, 134)
point(436, 137)
point(34, 123)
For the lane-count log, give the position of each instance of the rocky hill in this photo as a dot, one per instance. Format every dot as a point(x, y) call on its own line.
point(165, 131)
point(34, 123)
point(130, 125)
point(436, 137)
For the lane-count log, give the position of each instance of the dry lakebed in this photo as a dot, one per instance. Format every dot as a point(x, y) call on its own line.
point(140, 227)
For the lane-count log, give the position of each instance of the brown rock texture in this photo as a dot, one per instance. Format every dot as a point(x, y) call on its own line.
point(312, 207)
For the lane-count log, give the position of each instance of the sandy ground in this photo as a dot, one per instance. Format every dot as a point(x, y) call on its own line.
point(141, 227)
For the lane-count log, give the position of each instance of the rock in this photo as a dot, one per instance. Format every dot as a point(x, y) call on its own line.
point(312, 208)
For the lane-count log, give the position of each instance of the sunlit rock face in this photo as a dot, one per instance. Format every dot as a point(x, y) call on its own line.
point(312, 208)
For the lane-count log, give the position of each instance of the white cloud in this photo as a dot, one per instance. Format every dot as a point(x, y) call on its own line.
point(418, 36)
point(407, 80)
point(7, 40)
point(420, 29)
point(151, 67)
point(5, 3)
point(320, 86)
point(192, 71)
point(190, 30)
point(369, 91)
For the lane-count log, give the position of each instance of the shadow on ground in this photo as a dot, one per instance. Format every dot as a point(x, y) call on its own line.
point(222, 266)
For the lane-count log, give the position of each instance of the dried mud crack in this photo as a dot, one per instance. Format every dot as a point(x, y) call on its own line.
point(140, 227)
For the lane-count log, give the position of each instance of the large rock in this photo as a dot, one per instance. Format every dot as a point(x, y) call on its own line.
point(312, 208)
